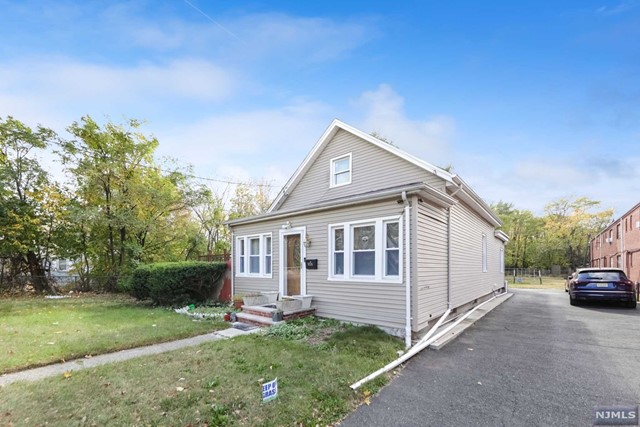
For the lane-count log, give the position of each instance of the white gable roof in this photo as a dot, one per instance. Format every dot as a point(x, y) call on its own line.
point(328, 134)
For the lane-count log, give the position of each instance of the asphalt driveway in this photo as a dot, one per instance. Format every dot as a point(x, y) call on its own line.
point(533, 361)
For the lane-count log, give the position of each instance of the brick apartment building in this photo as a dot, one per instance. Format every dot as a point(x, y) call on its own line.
point(618, 245)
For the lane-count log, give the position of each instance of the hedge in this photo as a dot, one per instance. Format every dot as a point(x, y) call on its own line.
point(177, 283)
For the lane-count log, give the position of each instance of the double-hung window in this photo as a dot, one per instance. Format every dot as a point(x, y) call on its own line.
point(254, 255)
point(366, 251)
point(267, 255)
point(338, 251)
point(341, 171)
point(392, 249)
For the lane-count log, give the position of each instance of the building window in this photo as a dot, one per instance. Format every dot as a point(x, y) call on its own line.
point(338, 251)
point(254, 255)
point(501, 260)
point(369, 250)
point(618, 231)
point(484, 253)
point(241, 255)
point(364, 250)
point(341, 171)
point(267, 255)
point(392, 249)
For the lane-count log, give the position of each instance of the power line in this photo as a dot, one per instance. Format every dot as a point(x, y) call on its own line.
point(189, 175)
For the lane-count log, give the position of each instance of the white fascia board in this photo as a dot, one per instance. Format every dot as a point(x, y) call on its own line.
point(326, 137)
point(398, 152)
point(465, 193)
point(421, 189)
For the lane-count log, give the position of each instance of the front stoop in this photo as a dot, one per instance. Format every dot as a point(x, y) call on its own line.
point(261, 316)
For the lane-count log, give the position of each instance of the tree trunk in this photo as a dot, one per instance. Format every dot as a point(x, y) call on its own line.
point(38, 278)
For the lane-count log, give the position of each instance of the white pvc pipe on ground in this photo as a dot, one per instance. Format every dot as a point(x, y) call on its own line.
point(419, 347)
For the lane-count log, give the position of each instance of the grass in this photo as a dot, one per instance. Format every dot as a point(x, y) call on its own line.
point(217, 383)
point(36, 331)
point(534, 283)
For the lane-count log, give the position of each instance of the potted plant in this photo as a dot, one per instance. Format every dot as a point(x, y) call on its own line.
point(238, 301)
point(277, 315)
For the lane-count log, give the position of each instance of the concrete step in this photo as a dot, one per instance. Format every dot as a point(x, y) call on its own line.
point(256, 320)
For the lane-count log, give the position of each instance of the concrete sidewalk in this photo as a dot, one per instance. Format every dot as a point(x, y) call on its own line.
point(118, 356)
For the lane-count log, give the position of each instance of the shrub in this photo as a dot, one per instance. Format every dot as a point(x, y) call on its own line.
point(177, 283)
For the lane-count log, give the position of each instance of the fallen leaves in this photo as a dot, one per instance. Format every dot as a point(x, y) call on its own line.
point(67, 374)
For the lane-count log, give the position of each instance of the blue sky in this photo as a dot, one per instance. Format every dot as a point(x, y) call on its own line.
point(529, 101)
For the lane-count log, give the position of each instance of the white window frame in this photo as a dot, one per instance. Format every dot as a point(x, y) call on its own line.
point(380, 252)
point(333, 251)
point(484, 254)
point(267, 252)
point(387, 249)
point(332, 171)
point(245, 264)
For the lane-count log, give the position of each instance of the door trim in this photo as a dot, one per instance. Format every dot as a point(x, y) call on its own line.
point(302, 231)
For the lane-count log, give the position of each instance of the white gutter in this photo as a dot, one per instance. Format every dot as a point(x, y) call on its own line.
point(233, 264)
point(419, 347)
point(407, 269)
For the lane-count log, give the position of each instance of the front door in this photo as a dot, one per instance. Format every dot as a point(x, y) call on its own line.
point(293, 264)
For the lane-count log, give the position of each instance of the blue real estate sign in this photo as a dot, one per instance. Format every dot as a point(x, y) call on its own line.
point(270, 390)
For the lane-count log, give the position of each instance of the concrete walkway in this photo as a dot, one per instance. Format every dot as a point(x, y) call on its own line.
point(118, 356)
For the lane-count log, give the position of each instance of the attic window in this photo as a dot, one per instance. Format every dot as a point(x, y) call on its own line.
point(341, 171)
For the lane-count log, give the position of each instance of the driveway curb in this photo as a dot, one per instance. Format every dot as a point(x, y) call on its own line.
point(468, 322)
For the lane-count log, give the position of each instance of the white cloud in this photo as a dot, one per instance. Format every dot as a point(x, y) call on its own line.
point(428, 138)
point(248, 145)
point(62, 81)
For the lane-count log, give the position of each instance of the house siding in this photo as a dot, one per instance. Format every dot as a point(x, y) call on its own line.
point(468, 281)
point(372, 169)
point(431, 265)
point(381, 304)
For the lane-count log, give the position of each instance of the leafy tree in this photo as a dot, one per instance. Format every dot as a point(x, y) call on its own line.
point(524, 230)
point(29, 201)
point(569, 224)
point(250, 200)
point(133, 212)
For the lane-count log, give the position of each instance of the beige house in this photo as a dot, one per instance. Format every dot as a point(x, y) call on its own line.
point(374, 234)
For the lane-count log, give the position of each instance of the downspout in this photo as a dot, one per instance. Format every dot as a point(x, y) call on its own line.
point(232, 264)
point(449, 258)
point(449, 249)
point(407, 269)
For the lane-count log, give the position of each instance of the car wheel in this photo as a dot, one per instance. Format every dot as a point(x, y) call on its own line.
point(573, 301)
point(632, 304)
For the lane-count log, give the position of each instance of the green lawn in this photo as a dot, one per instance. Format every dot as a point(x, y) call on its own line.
point(217, 383)
point(37, 331)
point(534, 283)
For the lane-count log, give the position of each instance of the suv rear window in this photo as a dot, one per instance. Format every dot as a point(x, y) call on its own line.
point(601, 275)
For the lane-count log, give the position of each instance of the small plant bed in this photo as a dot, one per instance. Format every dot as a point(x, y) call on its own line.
point(216, 312)
point(217, 383)
point(35, 331)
